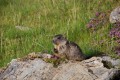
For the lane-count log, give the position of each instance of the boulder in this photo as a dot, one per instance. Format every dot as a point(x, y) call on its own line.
point(115, 15)
point(37, 69)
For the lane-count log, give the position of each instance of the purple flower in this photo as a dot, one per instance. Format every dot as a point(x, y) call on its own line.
point(90, 25)
point(115, 32)
point(97, 14)
point(99, 19)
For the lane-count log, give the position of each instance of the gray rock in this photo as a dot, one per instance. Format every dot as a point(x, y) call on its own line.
point(111, 61)
point(37, 69)
point(115, 15)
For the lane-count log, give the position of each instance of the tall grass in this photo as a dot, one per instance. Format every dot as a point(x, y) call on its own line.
point(45, 18)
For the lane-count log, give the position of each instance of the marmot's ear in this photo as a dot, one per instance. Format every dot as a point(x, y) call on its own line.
point(65, 35)
point(58, 35)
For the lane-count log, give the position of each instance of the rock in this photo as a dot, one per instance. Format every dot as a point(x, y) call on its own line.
point(22, 28)
point(111, 61)
point(39, 55)
point(115, 15)
point(37, 69)
point(91, 69)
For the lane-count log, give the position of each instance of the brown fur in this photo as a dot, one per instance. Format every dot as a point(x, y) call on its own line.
point(70, 49)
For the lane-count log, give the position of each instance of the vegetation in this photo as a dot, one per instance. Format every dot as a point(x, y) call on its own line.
point(45, 18)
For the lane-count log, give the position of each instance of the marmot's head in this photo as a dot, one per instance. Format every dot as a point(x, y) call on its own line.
point(59, 39)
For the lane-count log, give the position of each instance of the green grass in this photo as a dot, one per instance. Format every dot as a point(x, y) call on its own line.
point(45, 18)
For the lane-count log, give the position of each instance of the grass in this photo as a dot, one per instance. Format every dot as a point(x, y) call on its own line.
point(45, 18)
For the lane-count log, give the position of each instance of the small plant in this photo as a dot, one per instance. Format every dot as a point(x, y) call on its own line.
point(115, 32)
point(100, 18)
point(55, 60)
point(115, 35)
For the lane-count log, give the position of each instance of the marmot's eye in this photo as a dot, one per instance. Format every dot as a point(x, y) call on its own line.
point(59, 37)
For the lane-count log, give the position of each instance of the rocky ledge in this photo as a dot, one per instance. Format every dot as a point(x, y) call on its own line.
point(95, 68)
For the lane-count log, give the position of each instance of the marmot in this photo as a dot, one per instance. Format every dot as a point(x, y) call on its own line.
point(70, 49)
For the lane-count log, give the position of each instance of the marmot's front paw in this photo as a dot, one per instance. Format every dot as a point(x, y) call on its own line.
point(55, 50)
